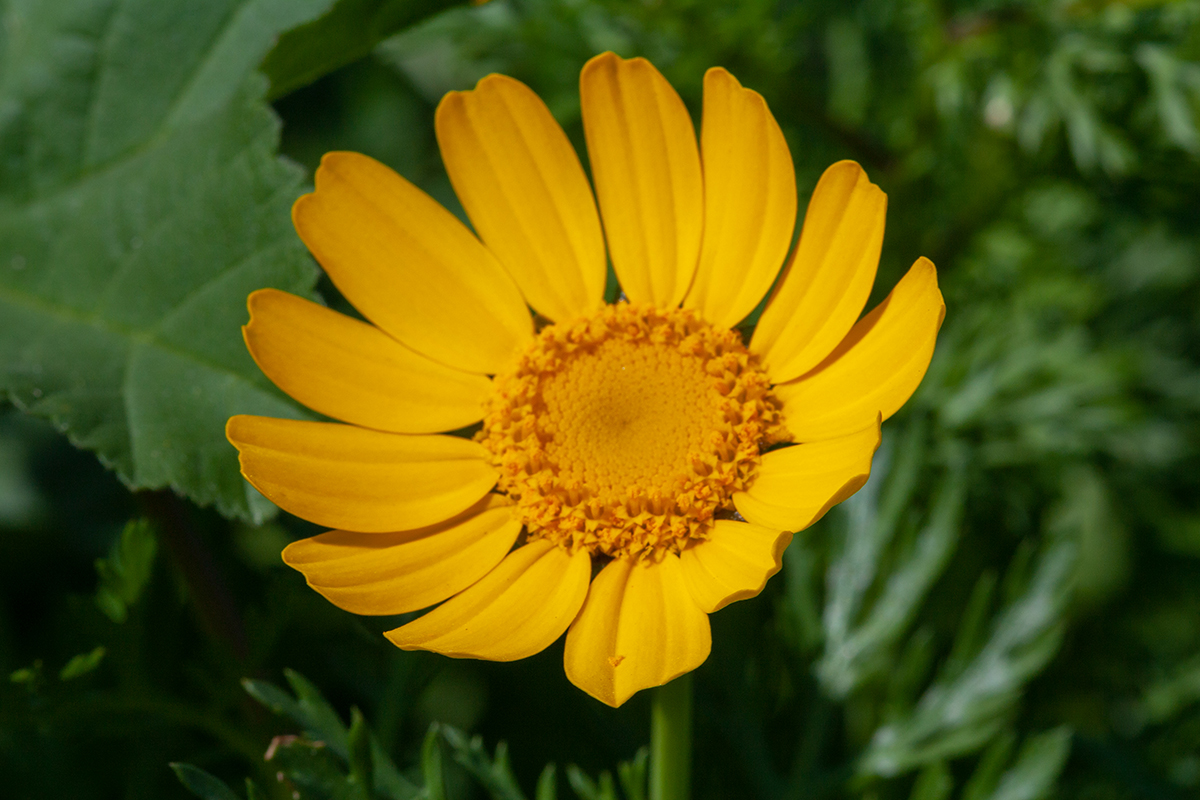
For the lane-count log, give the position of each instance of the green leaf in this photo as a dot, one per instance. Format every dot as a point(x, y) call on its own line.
point(1041, 760)
point(312, 769)
point(202, 784)
point(361, 767)
point(141, 200)
point(494, 773)
point(877, 562)
point(633, 775)
point(308, 709)
point(1087, 515)
point(1165, 697)
point(431, 765)
point(587, 789)
point(961, 712)
point(82, 664)
point(348, 32)
point(984, 779)
point(972, 627)
point(547, 785)
point(30, 676)
point(934, 783)
point(321, 723)
point(123, 575)
point(1163, 70)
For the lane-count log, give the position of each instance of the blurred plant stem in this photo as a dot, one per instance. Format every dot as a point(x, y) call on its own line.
point(215, 604)
point(671, 740)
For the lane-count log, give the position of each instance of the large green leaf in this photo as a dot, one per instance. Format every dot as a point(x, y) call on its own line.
point(348, 32)
point(141, 200)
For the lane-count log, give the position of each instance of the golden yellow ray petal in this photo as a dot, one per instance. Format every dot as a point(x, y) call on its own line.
point(876, 368)
point(394, 573)
point(410, 266)
point(646, 167)
point(516, 610)
point(749, 201)
point(352, 371)
point(796, 485)
point(829, 276)
point(351, 478)
point(734, 563)
point(640, 627)
point(523, 187)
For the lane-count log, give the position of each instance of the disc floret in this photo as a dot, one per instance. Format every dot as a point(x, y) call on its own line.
point(627, 431)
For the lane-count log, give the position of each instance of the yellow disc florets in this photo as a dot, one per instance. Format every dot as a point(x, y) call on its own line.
point(625, 431)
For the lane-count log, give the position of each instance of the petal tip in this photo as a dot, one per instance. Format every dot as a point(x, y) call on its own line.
point(607, 59)
point(233, 428)
point(720, 73)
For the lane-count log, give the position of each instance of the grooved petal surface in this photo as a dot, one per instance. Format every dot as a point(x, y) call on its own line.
point(639, 628)
point(734, 563)
point(796, 485)
point(876, 368)
point(646, 167)
point(356, 479)
point(394, 573)
point(749, 201)
point(516, 610)
point(523, 187)
point(410, 267)
point(829, 277)
point(352, 371)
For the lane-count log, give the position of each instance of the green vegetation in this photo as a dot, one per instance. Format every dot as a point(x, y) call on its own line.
point(1009, 609)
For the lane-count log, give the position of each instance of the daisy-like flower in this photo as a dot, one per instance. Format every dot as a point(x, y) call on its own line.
point(639, 466)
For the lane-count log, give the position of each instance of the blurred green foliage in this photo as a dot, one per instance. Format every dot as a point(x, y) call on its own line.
point(1009, 609)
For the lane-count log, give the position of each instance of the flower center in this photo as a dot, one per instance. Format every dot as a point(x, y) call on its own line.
point(626, 431)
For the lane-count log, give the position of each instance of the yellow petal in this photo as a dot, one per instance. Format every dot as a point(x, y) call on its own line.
point(646, 167)
point(749, 201)
point(523, 187)
point(796, 485)
point(876, 368)
point(640, 627)
point(829, 277)
point(734, 563)
point(394, 573)
point(410, 266)
point(346, 477)
point(354, 372)
point(516, 610)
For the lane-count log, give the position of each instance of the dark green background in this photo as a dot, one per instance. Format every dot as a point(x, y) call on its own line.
point(1024, 563)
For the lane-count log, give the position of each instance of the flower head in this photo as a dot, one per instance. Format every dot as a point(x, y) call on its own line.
point(642, 441)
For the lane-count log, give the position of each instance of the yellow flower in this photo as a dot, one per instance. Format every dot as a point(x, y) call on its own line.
point(636, 441)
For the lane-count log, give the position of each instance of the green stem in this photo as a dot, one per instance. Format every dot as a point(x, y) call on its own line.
point(671, 740)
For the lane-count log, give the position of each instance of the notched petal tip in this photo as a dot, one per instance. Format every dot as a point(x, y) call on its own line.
point(720, 73)
point(352, 478)
point(876, 368)
point(396, 573)
point(518, 609)
point(410, 266)
point(733, 564)
point(829, 276)
point(524, 189)
point(749, 201)
point(600, 61)
point(639, 628)
point(635, 123)
point(352, 371)
point(797, 485)
point(233, 427)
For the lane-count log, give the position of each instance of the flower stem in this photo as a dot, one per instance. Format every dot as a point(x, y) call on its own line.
point(671, 740)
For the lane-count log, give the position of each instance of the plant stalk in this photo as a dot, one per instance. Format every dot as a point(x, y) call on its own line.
point(671, 740)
